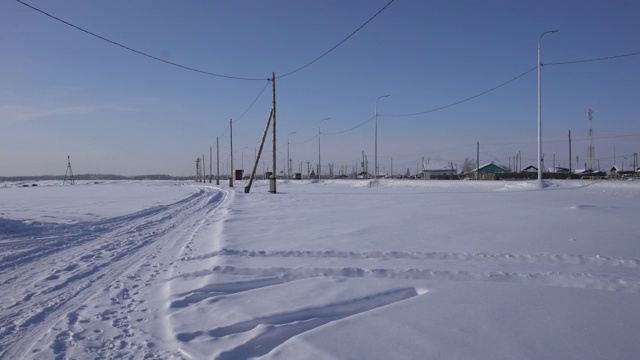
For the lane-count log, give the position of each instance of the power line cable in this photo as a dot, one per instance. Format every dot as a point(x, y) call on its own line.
point(137, 51)
point(338, 44)
point(467, 99)
point(513, 79)
point(561, 141)
point(254, 101)
point(492, 89)
point(306, 141)
point(353, 128)
point(590, 60)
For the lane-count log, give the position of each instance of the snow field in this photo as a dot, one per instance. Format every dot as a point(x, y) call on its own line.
point(324, 270)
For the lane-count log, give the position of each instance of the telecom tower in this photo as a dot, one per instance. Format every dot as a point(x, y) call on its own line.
point(68, 176)
point(590, 149)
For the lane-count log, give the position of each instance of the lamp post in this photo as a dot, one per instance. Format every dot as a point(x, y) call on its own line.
point(540, 111)
point(319, 161)
point(376, 139)
point(288, 158)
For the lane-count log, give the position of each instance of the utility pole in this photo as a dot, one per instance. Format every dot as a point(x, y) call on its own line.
point(366, 166)
point(217, 162)
point(540, 160)
point(272, 180)
point(364, 169)
point(478, 160)
point(210, 163)
point(231, 145)
point(569, 153)
point(590, 148)
point(289, 157)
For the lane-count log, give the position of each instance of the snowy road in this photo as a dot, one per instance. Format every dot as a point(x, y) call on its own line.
point(72, 264)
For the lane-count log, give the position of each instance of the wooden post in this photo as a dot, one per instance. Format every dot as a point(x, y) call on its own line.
point(255, 165)
point(272, 180)
point(569, 153)
point(231, 137)
point(217, 162)
point(478, 160)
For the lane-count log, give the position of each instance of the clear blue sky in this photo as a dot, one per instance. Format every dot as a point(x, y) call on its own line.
point(64, 92)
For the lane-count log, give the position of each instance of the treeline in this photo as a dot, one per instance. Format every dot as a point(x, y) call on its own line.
point(94, 177)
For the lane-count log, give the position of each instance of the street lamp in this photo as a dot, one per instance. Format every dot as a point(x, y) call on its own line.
point(319, 162)
point(376, 138)
point(288, 158)
point(540, 111)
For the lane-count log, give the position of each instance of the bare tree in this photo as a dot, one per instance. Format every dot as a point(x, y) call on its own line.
point(468, 165)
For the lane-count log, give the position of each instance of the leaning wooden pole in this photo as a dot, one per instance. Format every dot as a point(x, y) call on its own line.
point(255, 165)
point(272, 180)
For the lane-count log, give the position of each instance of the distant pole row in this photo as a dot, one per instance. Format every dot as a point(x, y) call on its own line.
point(287, 171)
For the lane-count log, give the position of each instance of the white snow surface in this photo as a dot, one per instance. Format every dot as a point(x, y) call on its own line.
point(320, 270)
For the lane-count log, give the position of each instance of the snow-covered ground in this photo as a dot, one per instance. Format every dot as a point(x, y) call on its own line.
point(324, 270)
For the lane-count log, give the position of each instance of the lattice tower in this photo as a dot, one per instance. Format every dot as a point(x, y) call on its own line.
point(590, 149)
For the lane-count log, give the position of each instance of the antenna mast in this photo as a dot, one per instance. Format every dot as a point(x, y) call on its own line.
point(590, 149)
point(68, 176)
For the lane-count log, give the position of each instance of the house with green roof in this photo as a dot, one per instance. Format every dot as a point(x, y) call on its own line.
point(485, 172)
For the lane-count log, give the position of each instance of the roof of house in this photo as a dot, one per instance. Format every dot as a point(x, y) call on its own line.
point(491, 168)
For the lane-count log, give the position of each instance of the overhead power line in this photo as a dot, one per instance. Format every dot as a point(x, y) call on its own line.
point(254, 101)
point(465, 100)
point(199, 70)
point(137, 51)
point(338, 44)
point(249, 108)
point(353, 128)
point(590, 60)
point(305, 141)
point(562, 141)
point(511, 80)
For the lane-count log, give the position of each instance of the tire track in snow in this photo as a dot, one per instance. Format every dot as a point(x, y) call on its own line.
point(263, 334)
point(563, 259)
point(429, 266)
point(86, 258)
point(575, 280)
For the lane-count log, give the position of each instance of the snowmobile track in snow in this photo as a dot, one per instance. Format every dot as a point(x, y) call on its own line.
point(77, 261)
